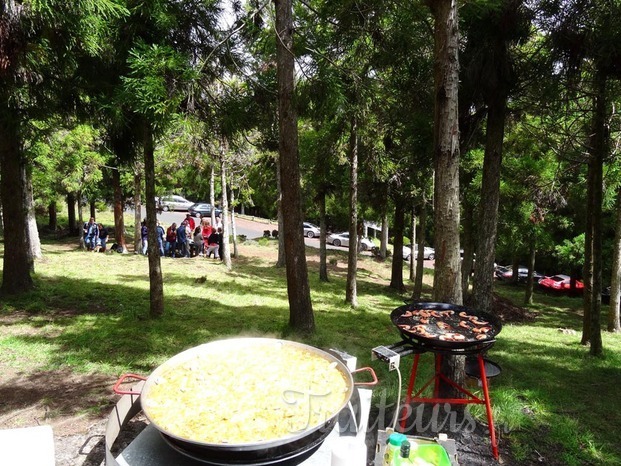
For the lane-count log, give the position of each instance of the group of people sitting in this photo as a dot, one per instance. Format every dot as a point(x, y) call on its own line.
point(191, 240)
point(185, 240)
point(95, 236)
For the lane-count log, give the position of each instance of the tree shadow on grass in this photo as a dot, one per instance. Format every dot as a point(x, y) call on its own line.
point(93, 326)
point(82, 323)
point(120, 340)
point(559, 318)
point(570, 385)
point(53, 393)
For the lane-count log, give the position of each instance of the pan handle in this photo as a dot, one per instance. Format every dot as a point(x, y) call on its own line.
point(122, 380)
point(373, 375)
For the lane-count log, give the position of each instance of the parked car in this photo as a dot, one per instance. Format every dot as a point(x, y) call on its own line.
point(502, 272)
point(560, 283)
point(310, 230)
point(203, 208)
point(342, 239)
point(173, 202)
point(506, 273)
point(428, 253)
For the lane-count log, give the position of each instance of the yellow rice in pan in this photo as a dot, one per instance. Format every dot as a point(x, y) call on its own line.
point(246, 395)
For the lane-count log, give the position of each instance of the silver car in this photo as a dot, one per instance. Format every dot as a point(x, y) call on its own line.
point(342, 239)
point(174, 202)
point(428, 253)
point(310, 230)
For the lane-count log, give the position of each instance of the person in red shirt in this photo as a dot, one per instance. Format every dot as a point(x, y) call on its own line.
point(191, 222)
point(206, 230)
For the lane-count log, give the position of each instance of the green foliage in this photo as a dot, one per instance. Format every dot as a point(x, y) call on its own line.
point(530, 190)
point(68, 161)
point(571, 252)
point(154, 85)
point(184, 159)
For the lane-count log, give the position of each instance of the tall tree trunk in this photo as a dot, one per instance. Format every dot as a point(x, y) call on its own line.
point(156, 282)
point(33, 231)
point(420, 265)
point(233, 225)
point(226, 254)
point(73, 225)
point(515, 267)
point(614, 325)
point(52, 215)
point(212, 193)
point(323, 256)
point(119, 221)
point(80, 214)
point(532, 254)
point(447, 276)
point(1, 218)
point(598, 150)
point(467, 261)
point(280, 262)
point(488, 209)
point(587, 270)
point(384, 233)
point(396, 274)
point(351, 291)
point(93, 209)
point(301, 317)
point(137, 210)
point(412, 264)
point(321, 174)
point(17, 262)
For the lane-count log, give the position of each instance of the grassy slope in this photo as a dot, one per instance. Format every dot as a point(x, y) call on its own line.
point(574, 397)
point(88, 314)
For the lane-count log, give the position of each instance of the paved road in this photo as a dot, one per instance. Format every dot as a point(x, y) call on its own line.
point(254, 229)
point(245, 227)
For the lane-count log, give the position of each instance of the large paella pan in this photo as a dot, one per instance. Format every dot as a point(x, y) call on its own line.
point(247, 399)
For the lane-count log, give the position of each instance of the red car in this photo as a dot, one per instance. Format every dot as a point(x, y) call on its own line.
point(560, 283)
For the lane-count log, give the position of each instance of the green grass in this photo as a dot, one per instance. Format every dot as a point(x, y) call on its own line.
point(89, 315)
point(572, 398)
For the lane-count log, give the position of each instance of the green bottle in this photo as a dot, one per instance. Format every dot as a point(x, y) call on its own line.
point(391, 455)
point(404, 455)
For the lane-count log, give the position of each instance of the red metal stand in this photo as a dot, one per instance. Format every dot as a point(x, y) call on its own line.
point(470, 397)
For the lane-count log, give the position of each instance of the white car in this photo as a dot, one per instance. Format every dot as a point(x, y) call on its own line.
point(174, 202)
point(310, 230)
point(428, 253)
point(342, 239)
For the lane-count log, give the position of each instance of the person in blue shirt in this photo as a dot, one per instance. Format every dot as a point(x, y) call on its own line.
point(103, 237)
point(144, 235)
point(161, 234)
point(182, 240)
point(92, 235)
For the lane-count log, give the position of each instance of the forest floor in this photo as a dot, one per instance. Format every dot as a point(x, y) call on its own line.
point(63, 346)
point(66, 400)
